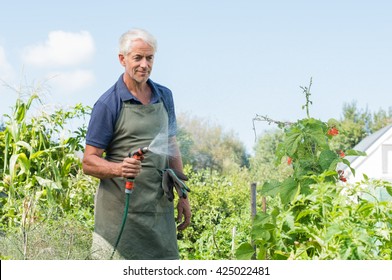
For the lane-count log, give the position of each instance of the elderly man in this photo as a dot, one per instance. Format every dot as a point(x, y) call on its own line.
point(131, 114)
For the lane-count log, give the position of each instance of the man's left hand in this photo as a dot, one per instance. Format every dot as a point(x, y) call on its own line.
point(184, 213)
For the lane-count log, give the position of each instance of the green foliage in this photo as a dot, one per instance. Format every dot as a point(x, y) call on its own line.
point(41, 172)
point(354, 127)
point(305, 145)
point(381, 119)
point(356, 124)
point(66, 238)
point(312, 214)
point(333, 221)
point(263, 165)
point(220, 215)
point(39, 164)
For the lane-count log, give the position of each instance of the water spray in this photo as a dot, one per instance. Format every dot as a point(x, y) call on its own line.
point(160, 144)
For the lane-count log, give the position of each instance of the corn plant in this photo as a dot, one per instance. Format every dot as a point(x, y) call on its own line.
point(41, 172)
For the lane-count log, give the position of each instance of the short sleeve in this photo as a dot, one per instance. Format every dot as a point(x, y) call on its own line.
point(101, 126)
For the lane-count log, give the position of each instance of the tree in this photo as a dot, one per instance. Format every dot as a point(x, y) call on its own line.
point(357, 123)
point(263, 165)
point(381, 119)
point(205, 145)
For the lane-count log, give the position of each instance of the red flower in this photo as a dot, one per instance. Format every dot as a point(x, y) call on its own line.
point(342, 154)
point(333, 131)
point(289, 160)
point(341, 176)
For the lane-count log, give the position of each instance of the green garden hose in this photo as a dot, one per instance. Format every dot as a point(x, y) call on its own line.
point(124, 219)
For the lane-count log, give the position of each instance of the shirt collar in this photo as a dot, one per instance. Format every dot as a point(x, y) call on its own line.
point(126, 95)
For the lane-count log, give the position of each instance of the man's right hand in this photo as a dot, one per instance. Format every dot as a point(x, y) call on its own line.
point(130, 167)
point(95, 165)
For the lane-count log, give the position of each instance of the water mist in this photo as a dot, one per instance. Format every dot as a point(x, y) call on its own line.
point(160, 145)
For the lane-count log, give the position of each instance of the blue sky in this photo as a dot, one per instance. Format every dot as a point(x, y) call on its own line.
point(225, 61)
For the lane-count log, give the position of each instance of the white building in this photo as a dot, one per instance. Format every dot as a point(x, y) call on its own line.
point(377, 164)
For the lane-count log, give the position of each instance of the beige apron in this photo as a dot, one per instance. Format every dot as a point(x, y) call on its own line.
point(150, 229)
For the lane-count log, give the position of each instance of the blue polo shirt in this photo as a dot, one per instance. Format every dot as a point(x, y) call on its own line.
point(107, 110)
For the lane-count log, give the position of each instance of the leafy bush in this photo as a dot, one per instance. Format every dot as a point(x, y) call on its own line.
point(334, 221)
point(220, 215)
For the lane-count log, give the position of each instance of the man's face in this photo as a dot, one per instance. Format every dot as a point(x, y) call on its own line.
point(138, 62)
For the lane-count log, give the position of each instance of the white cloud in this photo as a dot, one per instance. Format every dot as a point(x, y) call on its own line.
point(61, 49)
point(69, 82)
point(6, 70)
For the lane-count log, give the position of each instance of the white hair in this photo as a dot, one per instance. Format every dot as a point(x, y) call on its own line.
point(127, 39)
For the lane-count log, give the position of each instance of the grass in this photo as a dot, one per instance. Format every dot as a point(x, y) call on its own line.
point(63, 239)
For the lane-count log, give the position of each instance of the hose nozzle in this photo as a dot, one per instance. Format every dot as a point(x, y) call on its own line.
point(139, 155)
